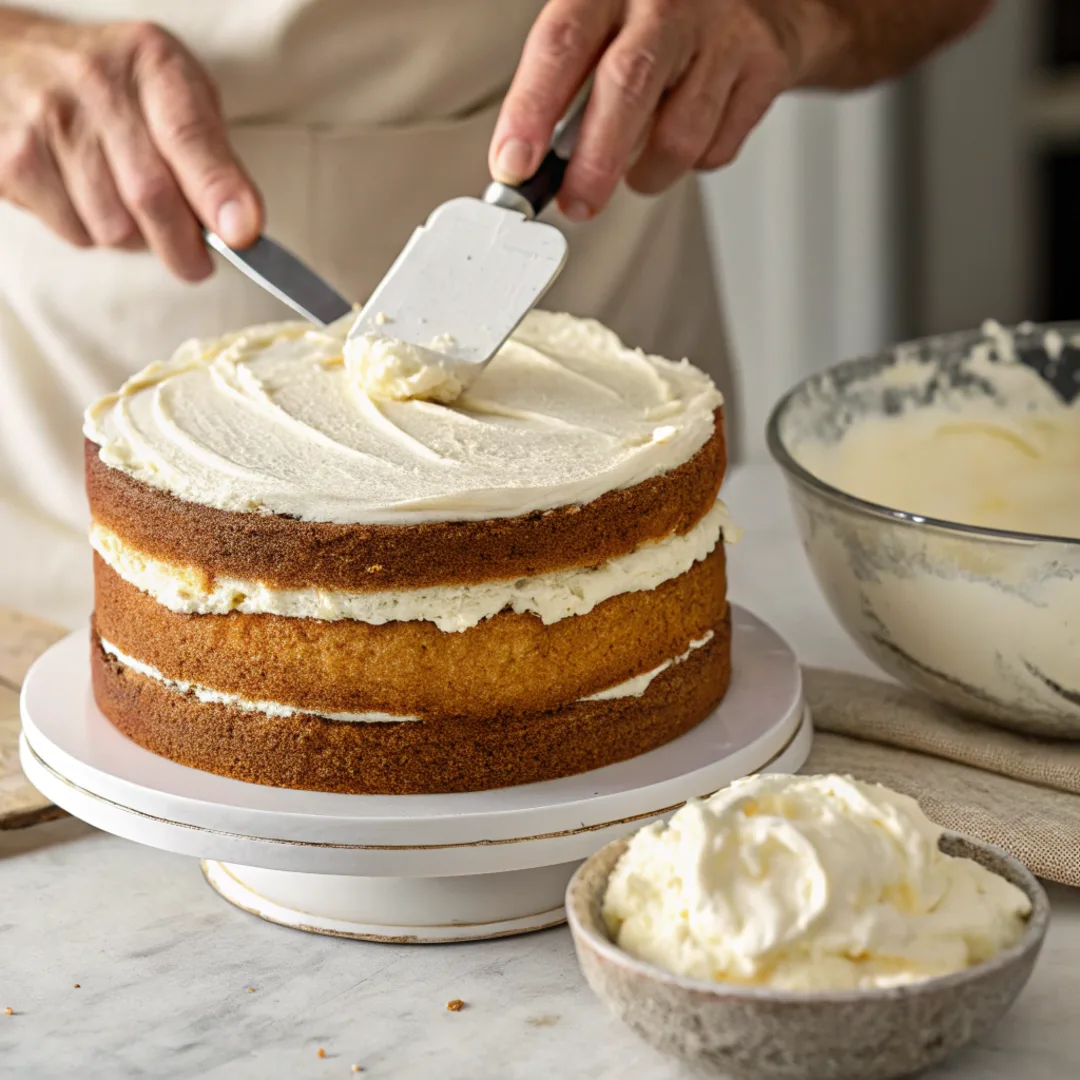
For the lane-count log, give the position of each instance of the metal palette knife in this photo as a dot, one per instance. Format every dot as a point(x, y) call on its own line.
point(467, 276)
point(282, 274)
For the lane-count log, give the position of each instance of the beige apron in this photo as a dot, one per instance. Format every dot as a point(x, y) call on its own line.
point(356, 118)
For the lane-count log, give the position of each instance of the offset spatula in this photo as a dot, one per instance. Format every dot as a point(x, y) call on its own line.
point(471, 273)
point(468, 276)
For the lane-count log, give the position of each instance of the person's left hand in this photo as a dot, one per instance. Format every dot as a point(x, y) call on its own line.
point(679, 86)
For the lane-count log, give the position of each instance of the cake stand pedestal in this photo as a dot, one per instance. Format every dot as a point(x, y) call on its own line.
point(402, 868)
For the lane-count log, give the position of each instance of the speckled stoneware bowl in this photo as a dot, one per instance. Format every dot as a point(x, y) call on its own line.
point(985, 621)
point(722, 1030)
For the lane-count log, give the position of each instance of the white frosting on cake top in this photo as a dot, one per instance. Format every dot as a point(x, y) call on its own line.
point(386, 367)
point(273, 420)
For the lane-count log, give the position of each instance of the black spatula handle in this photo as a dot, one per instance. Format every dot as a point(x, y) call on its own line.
point(542, 187)
point(531, 196)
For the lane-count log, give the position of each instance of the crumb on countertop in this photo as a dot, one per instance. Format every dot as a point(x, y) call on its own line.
point(251, 989)
point(358, 1068)
point(75, 986)
point(320, 1052)
point(456, 1005)
point(543, 1020)
point(9, 1011)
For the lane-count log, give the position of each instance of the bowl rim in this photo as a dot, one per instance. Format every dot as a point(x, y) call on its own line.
point(1029, 942)
point(787, 461)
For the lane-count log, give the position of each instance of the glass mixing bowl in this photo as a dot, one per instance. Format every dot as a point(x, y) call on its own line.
point(983, 620)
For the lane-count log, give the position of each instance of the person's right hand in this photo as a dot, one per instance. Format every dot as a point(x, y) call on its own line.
point(112, 134)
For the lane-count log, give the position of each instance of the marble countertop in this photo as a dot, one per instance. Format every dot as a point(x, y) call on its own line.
point(163, 965)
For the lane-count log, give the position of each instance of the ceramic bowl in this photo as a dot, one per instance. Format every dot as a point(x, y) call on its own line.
point(741, 1033)
point(985, 621)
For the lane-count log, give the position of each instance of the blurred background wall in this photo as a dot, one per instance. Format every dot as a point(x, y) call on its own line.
point(924, 206)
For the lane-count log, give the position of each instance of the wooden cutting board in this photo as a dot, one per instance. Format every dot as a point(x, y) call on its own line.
point(22, 640)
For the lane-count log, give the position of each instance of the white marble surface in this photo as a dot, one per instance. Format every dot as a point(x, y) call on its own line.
point(164, 965)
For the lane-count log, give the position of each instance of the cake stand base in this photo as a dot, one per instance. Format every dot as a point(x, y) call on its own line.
point(405, 868)
point(465, 907)
point(470, 906)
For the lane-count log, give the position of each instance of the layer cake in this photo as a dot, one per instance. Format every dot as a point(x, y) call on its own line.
point(302, 586)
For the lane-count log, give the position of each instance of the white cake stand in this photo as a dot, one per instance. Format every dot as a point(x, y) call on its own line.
point(421, 868)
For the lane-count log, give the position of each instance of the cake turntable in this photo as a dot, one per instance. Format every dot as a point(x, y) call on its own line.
point(401, 868)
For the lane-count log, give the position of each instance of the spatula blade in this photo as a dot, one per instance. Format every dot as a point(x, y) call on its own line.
point(467, 277)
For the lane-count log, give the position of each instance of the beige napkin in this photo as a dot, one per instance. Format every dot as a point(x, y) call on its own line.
point(22, 640)
point(1018, 792)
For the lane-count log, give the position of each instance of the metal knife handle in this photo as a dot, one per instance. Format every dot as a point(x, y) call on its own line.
point(531, 196)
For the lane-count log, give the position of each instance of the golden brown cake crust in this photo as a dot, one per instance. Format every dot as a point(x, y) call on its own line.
point(286, 553)
point(509, 663)
point(412, 757)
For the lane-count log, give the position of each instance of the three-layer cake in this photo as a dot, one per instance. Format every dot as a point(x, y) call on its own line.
point(301, 586)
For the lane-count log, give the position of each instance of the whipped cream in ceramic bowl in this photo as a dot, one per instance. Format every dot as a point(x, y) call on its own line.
point(937, 490)
point(807, 883)
point(804, 927)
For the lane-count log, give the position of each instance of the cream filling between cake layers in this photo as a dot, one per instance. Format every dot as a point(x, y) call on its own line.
point(633, 687)
point(552, 596)
point(637, 686)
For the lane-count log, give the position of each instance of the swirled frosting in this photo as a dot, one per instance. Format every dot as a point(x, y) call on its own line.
point(386, 367)
point(807, 883)
point(273, 420)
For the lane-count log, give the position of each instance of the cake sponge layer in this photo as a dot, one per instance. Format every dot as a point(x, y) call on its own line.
point(419, 757)
point(551, 597)
point(508, 664)
point(287, 553)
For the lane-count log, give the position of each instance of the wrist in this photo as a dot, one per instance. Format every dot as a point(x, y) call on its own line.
point(16, 21)
point(24, 29)
point(813, 33)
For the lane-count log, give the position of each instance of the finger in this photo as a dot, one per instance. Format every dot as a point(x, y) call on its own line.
point(630, 79)
point(562, 48)
point(685, 125)
point(152, 196)
point(93, 193)
point(143, 180)
point(750, 100)
point(185, 122)
point(29, 178)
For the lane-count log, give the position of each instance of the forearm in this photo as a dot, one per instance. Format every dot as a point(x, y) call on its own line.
point(14, 18)
point(871, 40)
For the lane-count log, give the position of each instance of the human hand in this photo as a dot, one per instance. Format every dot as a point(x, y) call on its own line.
point(679, 86)
point(113, 136)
